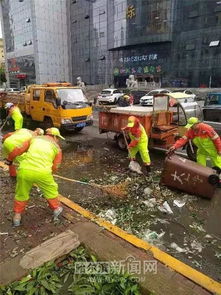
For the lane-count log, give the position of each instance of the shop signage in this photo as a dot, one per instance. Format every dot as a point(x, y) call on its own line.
point(137, 58)
point(137, 70)
point(21, 76)
point(131, 12)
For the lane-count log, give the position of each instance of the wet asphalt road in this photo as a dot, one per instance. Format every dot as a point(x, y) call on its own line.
point(195, 228)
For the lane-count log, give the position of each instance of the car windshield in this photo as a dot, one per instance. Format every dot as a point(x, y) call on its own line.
point(71, 96)
point(151, 93)
point(214, 99)
point(106, 92)
point(178, 90)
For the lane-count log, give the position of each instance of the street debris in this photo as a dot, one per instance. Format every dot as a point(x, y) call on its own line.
point(165, 208)
point(135, 167)
point(109, 215)
point(177, 248)
point(218, 255)
point(148, 191)
point(196, 246)
point(153, 237)
point(151, 203)
point(197, 227)
point(179, 203)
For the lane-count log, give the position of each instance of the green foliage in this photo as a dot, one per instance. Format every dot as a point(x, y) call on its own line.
point(2, 75)
point(61, 279)
point(42, 281)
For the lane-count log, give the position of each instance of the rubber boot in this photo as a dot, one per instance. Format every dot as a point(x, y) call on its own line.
point(148, 169)
point(17, 219)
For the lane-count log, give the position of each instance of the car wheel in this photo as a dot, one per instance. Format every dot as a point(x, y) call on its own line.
point(48, 123)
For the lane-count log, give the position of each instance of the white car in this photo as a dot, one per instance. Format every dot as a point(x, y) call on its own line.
point(109, 96)
point(147, 100)
point(12, 90)
point(186, 91)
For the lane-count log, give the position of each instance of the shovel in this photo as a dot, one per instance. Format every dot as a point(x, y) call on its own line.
point(3, 125)
point(133, 166)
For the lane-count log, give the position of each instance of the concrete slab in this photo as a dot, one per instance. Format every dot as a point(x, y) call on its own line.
point(108, 247)
point(50, 250)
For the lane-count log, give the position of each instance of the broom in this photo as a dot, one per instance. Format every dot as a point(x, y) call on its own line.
point(119, 190)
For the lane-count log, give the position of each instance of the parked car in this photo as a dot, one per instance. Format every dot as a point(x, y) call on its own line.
point(213, 98)
point(186, 91)
point(137, 94)
point(109, 96)
point(147, 100)
point(12, 90)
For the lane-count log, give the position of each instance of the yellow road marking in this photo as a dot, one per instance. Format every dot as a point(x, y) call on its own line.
point(180, 267)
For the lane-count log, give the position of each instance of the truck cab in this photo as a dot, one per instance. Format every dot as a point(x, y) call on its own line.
point(58, 104)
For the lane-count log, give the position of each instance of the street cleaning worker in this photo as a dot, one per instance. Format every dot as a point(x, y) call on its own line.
point(15, 113)
point(205, 138)
point(139, 141)
point(42, 158)
point(15, 144)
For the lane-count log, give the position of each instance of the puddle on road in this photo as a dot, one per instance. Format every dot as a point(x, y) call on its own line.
point(192, 233)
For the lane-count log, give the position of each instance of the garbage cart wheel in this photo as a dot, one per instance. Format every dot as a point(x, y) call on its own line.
point(191, 154)
point(213, 179)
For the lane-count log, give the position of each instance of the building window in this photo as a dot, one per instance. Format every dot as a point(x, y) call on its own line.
point(193, 13)
point(190, 47)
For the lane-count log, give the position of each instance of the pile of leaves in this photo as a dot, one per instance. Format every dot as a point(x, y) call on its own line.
point(61, 278)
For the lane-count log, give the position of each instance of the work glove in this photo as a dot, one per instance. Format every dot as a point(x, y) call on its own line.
point(7, 162)
point(171, 151)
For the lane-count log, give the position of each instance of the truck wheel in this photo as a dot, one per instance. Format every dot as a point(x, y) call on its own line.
point(191, 154)
point(121, 142)
point(48, 123)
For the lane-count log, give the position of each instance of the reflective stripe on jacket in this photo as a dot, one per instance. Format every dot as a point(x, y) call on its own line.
point(203, 131)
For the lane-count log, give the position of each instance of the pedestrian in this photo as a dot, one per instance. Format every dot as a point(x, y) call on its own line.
point(15, 144)
point(205, 138)
point(139, 141)
point(15, 113)
point(42, 158)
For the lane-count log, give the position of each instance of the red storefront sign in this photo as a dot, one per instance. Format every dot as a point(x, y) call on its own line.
point(21, 76)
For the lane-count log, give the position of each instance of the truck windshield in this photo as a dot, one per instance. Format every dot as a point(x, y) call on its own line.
point(71, 96)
